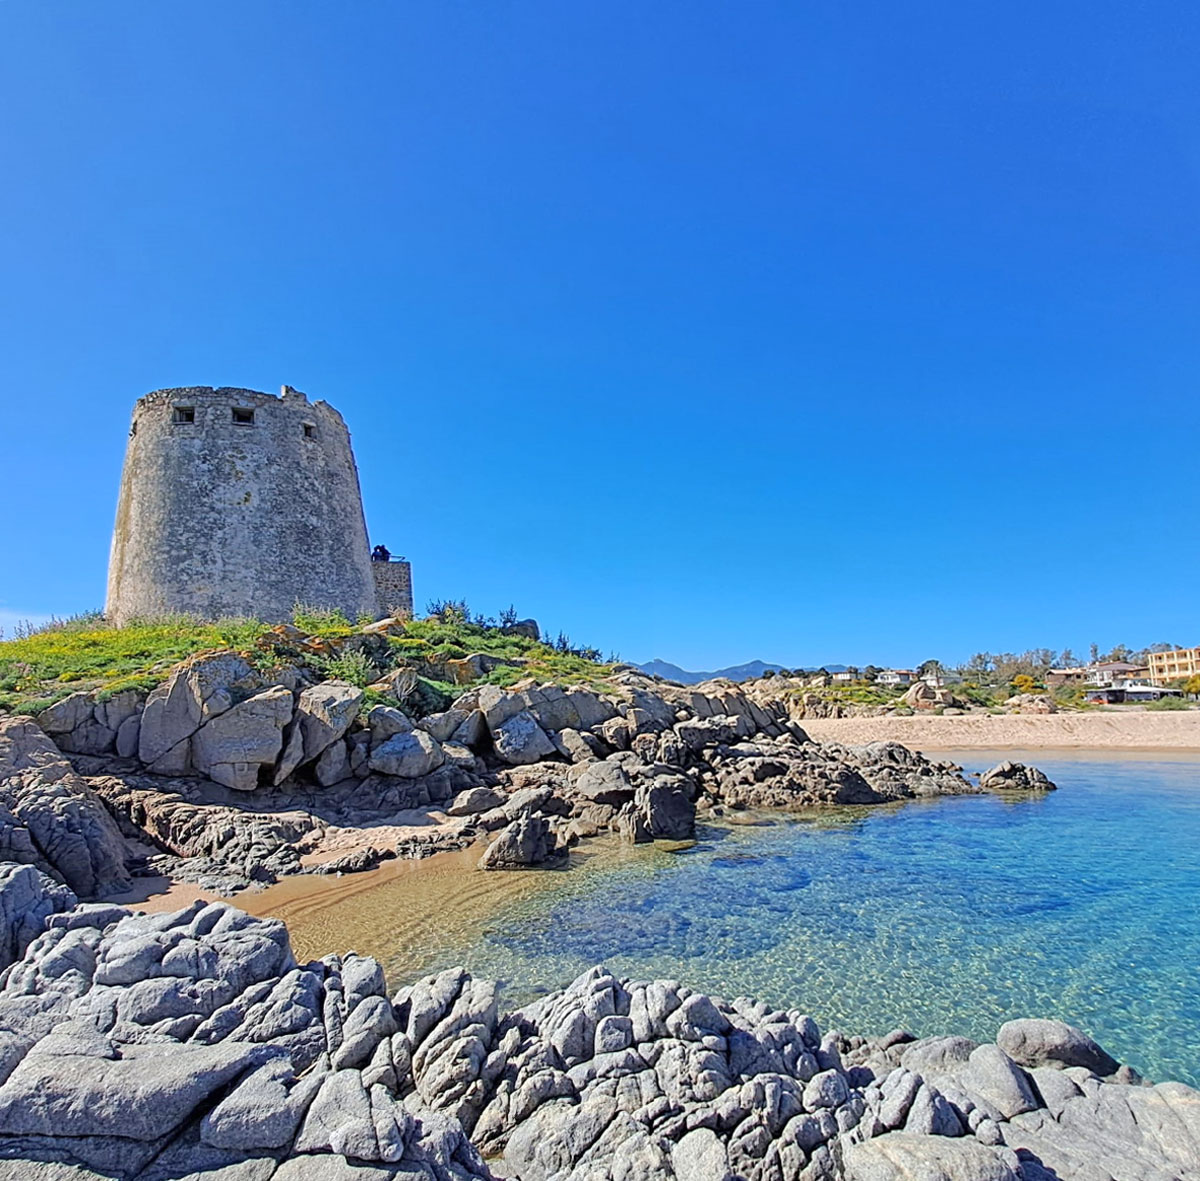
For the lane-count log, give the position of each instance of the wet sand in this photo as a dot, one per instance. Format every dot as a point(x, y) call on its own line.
point(410, 914)
point(160, 895)
point(413, 916)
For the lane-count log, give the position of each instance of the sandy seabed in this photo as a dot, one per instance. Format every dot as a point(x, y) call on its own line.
point(1101, 730)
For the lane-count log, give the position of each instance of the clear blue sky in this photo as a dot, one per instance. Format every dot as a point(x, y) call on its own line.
point(710, 331)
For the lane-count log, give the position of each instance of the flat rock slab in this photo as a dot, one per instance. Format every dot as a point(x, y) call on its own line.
point(901, 1156)
point(145, 1094)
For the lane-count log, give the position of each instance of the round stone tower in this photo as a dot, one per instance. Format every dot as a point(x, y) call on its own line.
point(237, 503)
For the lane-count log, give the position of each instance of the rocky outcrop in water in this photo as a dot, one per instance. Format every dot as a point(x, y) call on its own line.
point(523, 842)
point(192, 1045)
point(1009, 776)
point(226, 776)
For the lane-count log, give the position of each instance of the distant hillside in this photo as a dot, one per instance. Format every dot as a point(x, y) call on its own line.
point(736, 672)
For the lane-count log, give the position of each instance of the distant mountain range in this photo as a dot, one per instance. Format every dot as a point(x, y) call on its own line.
point(737, 672)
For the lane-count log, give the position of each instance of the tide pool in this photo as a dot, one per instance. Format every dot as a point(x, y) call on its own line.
point(947, 916)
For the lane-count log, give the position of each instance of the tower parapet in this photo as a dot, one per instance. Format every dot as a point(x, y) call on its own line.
point(238, 503)
point(393, 587)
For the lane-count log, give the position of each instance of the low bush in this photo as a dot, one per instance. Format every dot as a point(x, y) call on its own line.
point(1168, 703)
point(355, 667)
point(326, 625)
point(453, 635)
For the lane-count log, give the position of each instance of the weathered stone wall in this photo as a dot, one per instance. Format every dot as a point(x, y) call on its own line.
point(218, 517)
point(393, 587)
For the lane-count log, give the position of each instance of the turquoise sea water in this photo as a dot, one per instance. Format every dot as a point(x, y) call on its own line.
point(951, 915)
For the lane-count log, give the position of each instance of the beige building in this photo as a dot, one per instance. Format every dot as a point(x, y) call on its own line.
point(1170, 666)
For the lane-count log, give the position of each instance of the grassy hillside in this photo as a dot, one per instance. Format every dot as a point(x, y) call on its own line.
point(41, 668)
point(440, 639)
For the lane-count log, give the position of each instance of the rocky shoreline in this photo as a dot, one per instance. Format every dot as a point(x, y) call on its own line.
point(192, 1045)
point(231, 778)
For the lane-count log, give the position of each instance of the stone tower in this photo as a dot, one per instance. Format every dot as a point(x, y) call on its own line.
point(237, 503)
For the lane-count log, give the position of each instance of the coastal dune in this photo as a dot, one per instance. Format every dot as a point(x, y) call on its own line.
point(1126, 730)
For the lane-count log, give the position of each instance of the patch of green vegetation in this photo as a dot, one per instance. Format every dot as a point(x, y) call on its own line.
point(1070, 696)
point(372, 698)
point(40, 667)
point(43, 667)
point(453, 637)
point(432, 697)
point(354, 667)
point(1169, 703)
point(863, 694)
point(324, 625)
point(427, 697)
point(856, 693)
point(977, 694)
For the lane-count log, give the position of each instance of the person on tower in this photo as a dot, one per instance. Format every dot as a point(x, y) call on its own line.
point(381, 553)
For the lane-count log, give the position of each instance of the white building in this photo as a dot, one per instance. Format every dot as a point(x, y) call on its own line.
point(1123, 691)
point(896, 676)
point(1109, 672)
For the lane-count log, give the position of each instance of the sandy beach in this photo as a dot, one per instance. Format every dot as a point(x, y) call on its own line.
point(1101, 730)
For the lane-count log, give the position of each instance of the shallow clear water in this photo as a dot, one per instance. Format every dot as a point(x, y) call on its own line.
point(951, 915)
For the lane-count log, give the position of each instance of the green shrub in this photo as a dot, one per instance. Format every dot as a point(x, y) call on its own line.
point(431, 697)
point(327, 625)
point(1168, 703)
point(355, 667)
point(976, 694)
point(1070, 695)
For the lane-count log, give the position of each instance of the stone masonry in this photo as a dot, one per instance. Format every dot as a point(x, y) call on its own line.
point(238, 503)
point(393, 587)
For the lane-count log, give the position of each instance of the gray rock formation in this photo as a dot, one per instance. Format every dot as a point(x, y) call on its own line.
point(50, 819)
point(197, 691)
point(324, 713)
point(1009, 776)
point(524, 842)
point(193, 1045)
point(641, 761)
point(237, 744)
point(27, 898)
point(408, 755)
point(1035, 1042)
point(476, 800)
point(81, 724)
point(521, 740)
point(151, 1048)
point(209, 836)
